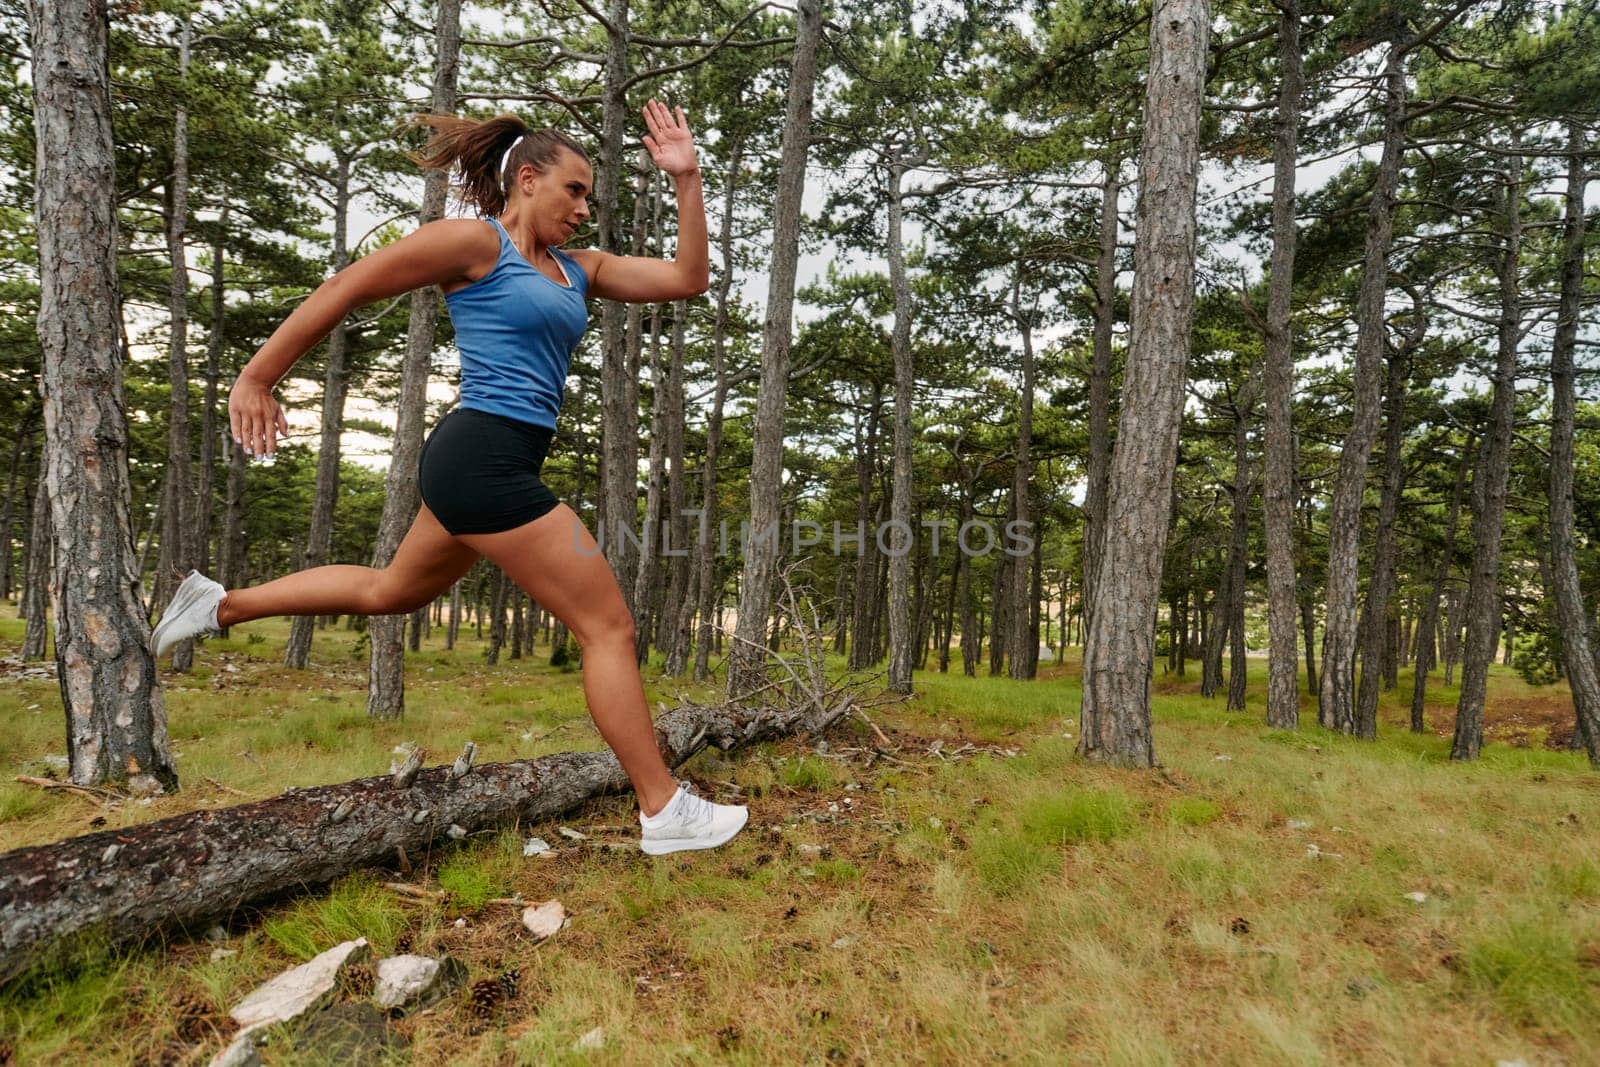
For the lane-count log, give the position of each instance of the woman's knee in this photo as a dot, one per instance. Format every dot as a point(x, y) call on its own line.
point(386, 594)
point(615, 628)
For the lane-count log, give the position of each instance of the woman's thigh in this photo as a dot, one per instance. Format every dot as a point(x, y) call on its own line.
point(555, 560)
point(428, 562)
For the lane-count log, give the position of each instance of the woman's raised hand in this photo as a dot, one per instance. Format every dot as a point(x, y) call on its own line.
point(669, 141)
point(256, 417)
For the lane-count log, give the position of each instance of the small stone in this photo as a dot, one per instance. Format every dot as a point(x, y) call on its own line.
point(1222, 757)
point(1299, 824)
point(594, 1039)
point(544, 920)
point(222, 953)
point(242, 1053)
point(1418, 897)
point(935, 822)
point(460, 924)
point(298, 989)
point(571, 835)
point(455, 833)
point(809, 850)
point(406, 980)
point(535, 846)
point(844, 942)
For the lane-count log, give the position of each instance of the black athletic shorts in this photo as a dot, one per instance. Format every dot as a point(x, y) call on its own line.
point(479, 473)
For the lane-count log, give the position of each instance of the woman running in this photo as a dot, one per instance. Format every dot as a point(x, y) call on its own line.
point(517, 304)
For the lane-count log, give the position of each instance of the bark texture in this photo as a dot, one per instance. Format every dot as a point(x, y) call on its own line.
point(116, 720)
point(746, 661)
point(1105, 317)
point(386, 682)
point(1583, 674)
point(1120, 648)
point(1336, 708)
point(1489, 487)
point(900, 539)
point(335, 386)
point(1278, 482)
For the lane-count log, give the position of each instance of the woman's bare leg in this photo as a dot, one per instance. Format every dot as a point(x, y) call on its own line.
point(554, 559)
point(428, 561)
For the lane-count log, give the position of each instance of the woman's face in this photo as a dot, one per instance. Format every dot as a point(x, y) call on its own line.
point(557, 198)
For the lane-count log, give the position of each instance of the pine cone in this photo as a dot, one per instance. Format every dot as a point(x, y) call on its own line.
point(190, 1009)
point(8, 1053)
point(511, 983)
point(487, 995)
point(403, 943)
point(358, 981)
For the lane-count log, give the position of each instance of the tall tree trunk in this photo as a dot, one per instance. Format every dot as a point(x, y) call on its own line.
point(386, 679)
point(647, 578)
point(861, 648)
point(1278, 482)
point(177, 532)
point(116, 719)
point(746, 661)
point(1215, 637)
point(1380, 589)
point(1119, 651)
point(1024, 641)
point(205, 488)
point(1429, 622)
point(37, 566)
point(678, 611)
point(1000, 603)
point(1452, 634)
point(16, 479)
point(1105, 318)
point(1578, 653)
point(454, 627)
point(497, 616)
point(1239, 546)
point(709, 573)
point(619, 432)
point(1489, 488)
point(1336, 699)
point(319, 539)
point(901, 636)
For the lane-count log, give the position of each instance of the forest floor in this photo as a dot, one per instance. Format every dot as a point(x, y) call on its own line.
point(1264, 897)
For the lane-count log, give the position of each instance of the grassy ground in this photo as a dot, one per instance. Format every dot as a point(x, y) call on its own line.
point(985, 895)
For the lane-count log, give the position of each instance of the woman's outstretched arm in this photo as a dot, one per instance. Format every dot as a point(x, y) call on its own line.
point(435, 254)
point(638, 279)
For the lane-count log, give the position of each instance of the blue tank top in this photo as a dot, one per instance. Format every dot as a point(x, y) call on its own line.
point(517, 330)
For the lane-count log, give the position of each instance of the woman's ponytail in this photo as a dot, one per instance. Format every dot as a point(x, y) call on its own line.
point(478, 146)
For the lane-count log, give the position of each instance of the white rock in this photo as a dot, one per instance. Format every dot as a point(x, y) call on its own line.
point(222, 953)
point(298, 989)
point(571, 835)
point(933, 821)
point(460, 924)
point(1417, 897)
point(1222, 758)
point(594, 1039)
point(242, 1053)
point(809, 850)
point(844, 942)
point(544, 920)
point(455, 833)
point(1299, 824)
point(403, 979)
point(535, 846)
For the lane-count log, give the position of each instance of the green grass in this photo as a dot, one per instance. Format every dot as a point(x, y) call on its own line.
point(1004, 900)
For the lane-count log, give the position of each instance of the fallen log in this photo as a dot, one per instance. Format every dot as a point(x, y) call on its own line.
point(194, 869)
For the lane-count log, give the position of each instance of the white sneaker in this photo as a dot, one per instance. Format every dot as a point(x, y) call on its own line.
point(690, 822)
point(193, 612)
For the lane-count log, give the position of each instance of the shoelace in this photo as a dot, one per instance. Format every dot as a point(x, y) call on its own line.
point(696, 810)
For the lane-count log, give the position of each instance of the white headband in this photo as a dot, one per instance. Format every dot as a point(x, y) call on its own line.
point(507, 157)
